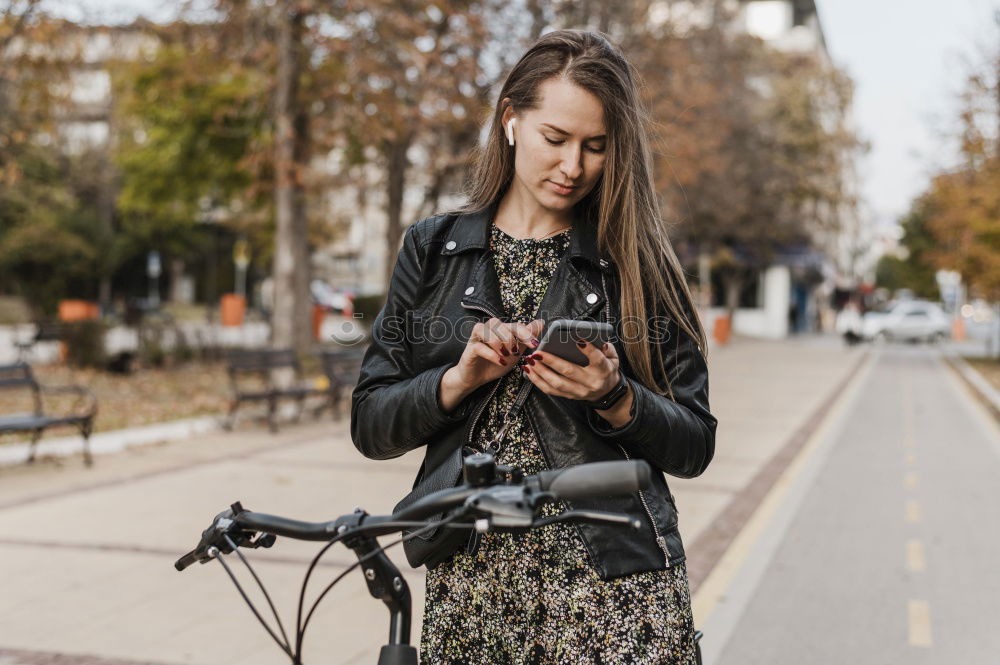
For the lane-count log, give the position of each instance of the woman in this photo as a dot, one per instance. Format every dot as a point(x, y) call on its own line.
point(562, 222)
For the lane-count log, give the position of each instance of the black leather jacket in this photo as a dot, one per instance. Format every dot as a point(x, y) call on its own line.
point(443, 284)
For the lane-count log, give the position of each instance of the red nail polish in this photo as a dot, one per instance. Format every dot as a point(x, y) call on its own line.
point(534, 341)
point(530, 360)
point(503, 362)
point(526, 370)
point(581, 344)
point(503, 350)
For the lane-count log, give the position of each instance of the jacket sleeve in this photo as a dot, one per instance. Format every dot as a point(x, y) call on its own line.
point(675, 435)
point(393, 409)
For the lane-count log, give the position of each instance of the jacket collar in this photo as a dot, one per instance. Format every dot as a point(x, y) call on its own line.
point(570, 295)
point(471, 230)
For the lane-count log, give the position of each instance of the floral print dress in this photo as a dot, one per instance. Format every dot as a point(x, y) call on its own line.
point(533, 598)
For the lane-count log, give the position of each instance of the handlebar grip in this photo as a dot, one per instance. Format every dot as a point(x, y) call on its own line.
point(596, 479)
point(187, 560)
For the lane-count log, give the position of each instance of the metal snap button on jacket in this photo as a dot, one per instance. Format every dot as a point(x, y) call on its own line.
point(450, 245)
point(591, 298)
point(469, 290)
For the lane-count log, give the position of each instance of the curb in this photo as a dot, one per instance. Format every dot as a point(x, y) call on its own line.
point(983, 389)
point(104, 443)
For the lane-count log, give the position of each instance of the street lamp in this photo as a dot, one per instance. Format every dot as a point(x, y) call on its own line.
point(153, 270)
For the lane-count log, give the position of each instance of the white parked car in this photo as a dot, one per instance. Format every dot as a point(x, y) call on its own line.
point(910, 320)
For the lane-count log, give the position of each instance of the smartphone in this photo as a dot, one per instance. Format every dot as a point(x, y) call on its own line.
point(561, 336)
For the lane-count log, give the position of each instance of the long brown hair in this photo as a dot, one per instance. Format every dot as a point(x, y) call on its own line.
point(623, 203)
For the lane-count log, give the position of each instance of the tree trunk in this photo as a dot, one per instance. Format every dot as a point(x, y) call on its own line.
point(176, 268)
point(290, 318)
point(396, 166)
point(733, 284)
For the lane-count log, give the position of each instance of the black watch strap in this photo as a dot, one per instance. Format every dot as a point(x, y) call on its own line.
point(612, 397)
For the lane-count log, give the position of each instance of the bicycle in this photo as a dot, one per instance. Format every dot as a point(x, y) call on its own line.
point(495, 497)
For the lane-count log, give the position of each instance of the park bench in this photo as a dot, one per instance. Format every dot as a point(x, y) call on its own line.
point(255, 376)
point(45, 331)
point(20, 376)
point(341, 368)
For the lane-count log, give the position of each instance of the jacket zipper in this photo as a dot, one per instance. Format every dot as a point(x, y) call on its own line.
point(660, 540)
point(482, 405)
point(472, 546)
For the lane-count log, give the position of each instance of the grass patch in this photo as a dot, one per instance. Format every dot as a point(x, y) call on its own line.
point(146, 397)
point(13, 311)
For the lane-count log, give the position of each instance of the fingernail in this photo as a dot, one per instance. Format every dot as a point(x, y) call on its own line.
point(604, 346)
point(530, 360)
point(503, 362)
point(534, 341)
point(503, 350)
point(526, 370)
point(581, 344)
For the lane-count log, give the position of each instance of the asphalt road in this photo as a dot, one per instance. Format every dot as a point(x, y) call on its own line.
point(889, 553)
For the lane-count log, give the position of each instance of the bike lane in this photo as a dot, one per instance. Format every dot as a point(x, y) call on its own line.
point(882, 547)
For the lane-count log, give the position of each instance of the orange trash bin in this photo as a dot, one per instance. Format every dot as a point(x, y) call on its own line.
point(317, 320)
point(233, 308)
point(721, 329)
point(78, 310)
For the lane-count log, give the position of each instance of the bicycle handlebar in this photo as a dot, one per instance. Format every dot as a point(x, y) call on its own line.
point(585, 481)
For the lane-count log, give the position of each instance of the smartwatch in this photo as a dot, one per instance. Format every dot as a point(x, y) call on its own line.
point(613, 397)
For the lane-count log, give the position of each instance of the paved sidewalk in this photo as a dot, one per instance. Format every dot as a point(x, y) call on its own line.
point(87, 554)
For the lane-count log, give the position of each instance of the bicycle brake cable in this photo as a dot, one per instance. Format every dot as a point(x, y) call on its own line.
point(260, 584)
point(283, 645)
point(301, 630)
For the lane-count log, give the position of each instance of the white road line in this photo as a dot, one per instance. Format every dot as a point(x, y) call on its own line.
point(919, 615)
point(916, 562)
point(723, 597)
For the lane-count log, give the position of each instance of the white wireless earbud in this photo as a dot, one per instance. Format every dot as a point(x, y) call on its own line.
point(510, 131)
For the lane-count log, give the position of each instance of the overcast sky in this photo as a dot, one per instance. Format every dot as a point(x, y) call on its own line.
point(907, 58)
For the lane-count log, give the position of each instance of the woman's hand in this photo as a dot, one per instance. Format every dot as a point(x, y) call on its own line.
point(492, 350)
point(562, 378)
point(555, 376)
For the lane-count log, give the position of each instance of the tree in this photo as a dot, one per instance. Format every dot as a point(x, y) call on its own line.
point(962, 204)
point(754, 150)
point(915, 269)
point(185, 119)
point(47, 228)
point(419, 83)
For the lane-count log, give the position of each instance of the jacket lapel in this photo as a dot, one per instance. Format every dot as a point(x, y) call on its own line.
point(570, 294)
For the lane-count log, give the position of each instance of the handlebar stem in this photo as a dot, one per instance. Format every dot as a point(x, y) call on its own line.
point(383, 578)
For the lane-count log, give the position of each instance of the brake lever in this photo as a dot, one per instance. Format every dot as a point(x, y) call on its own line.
point(506, 506)
point(221, 535)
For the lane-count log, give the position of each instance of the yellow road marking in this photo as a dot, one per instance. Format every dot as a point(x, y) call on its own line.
point(910, 480)
point(912, 511)
point(916, 562)
point(919, 612)
point(715, 586)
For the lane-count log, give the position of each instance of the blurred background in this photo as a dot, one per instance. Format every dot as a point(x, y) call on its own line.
point(183, 183)
point(242, 162)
